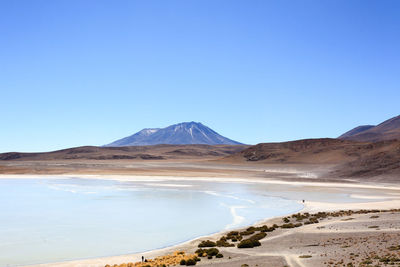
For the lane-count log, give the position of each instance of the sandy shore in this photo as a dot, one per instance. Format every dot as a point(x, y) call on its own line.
point(275, 249)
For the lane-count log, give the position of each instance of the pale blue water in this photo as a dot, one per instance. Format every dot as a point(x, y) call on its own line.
point(50, 220)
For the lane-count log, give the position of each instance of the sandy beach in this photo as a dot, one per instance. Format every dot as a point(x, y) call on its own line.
point(284, 246)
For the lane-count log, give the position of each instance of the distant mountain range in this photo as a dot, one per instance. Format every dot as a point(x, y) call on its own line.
point(178, 134)
point(387, 130)
point(133, 153)
point(364, 151)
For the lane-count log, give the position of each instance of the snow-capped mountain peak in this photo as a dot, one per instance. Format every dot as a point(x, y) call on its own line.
point(177, 134)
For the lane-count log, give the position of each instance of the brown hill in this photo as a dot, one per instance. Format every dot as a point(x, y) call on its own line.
point(387, 130)
point(352, 159)
point(157, 152)
point(317, 151)
point(382, 159)
point(355, 131)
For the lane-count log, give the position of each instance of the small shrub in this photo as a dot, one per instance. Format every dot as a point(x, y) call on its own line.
point(305, 256)
point(287, 225)
point(265, 228)
point(247, 232)
point(207, 252)
point(223, 243)
point(212, 252)
point(190, 262)
point(199, 252)
point(249, 243)
point(219, 255)
point(367, 261)
point(258, 236)
point(233, 233)
point(207, 243)
point(384, 259)
point(209, 257)
point(347, 219)
point(393, 248)
point(183, 262)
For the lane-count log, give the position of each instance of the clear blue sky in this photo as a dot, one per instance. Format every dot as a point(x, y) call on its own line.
point(88, 72)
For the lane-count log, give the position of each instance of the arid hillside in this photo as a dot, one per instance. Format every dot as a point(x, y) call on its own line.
point(157, 152)
point(318, 151)
point(352, 159)
point(387, 130)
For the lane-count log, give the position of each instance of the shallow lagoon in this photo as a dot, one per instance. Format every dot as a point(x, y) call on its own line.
point(49, 220)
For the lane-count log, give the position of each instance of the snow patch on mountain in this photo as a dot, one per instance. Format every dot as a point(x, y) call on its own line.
point(177, 134)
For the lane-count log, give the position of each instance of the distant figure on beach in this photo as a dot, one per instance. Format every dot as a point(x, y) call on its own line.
point(142, 259)
point(304, 201)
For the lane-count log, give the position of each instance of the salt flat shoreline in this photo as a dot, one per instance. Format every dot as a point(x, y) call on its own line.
point(392, 202)
point(155, 178)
